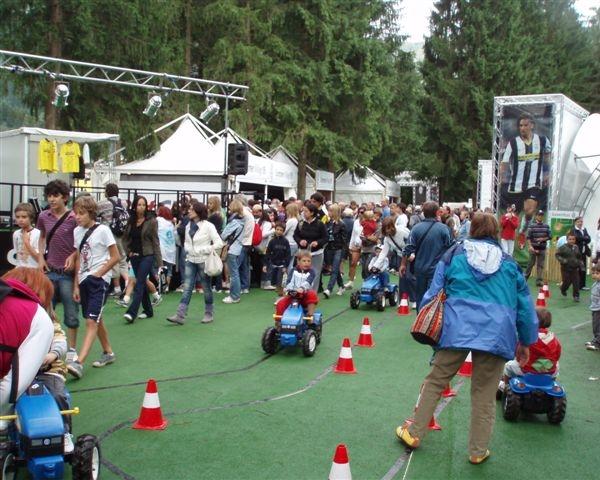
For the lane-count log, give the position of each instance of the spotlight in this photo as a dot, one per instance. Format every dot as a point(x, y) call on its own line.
point(61, 94)
point(154, 103)
point(210, 111)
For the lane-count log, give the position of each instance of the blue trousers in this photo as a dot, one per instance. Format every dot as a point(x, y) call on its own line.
point(142, 268)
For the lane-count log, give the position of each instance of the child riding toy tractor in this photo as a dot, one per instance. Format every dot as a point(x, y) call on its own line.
point(293, 328)
point(373, 290)
point(534, 393)
point(36, 436)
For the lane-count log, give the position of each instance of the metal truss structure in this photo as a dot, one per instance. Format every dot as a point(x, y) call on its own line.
point(61, 69)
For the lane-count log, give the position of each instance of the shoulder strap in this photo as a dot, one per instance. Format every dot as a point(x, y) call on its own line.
point(54, 229)
point(394, 241)
point(87, 235)
point(422, 239)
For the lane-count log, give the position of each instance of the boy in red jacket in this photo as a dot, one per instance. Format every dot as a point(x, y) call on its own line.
point(543, 354)
point(509, 223)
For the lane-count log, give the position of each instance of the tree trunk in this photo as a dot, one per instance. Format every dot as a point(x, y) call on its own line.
point(302, 162)
point(188, 37)
point(54, 38)
point(249, 68)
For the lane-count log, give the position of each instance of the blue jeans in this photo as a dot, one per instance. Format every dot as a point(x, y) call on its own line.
point(384, 278)
point(142, 268)
point(293, 251)
point(422, 285)
point(233, 262)
point(276, 275)
point(244, 268)
point(63, 293)
point(193, 271)
point(336, 261)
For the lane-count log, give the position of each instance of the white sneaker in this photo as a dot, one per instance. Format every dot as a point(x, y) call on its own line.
point(327, 293)
point(349, 284)
point(413, 305)
point(142, 316)
point(245, 290)
point(340, 291)
point(228, 299)
point(156, 300)
point(268, 287)
point(69, 447)
point(71, 355)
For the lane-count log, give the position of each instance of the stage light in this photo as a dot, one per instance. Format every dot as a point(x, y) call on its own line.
point(210, 111)
point(154, 103)
point(61, 94)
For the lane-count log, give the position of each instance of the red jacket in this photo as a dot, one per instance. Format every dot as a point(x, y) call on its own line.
point(509, 226)
point(543, 354)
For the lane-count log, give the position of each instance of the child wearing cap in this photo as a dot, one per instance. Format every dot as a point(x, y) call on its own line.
point(379, 264)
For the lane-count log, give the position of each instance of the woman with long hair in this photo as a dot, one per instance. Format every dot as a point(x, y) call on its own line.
point(311, 235)
point(292, 213)
point(142, 246)
point(201, 238)
point(336, 245)
point(355, 247)
point(233, 237)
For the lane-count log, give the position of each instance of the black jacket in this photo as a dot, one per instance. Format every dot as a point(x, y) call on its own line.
point(278, 252)
point(583, 241)
point(336, 235)
point(313, 231)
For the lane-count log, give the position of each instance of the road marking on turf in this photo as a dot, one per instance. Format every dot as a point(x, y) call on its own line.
point(407, 454)
point(582, 324)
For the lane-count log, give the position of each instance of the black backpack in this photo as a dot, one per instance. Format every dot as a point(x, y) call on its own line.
point(120, 217)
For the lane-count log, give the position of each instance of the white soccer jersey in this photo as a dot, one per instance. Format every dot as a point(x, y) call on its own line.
point(527, 171)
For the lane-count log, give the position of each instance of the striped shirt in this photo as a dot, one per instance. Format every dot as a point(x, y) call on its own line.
point(538, 234)
point(526, 167)
point(61, 243)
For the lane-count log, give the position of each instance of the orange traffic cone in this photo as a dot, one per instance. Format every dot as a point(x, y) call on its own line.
point(541, 298)
point(150, 415)
point(365, 339)
point(403, 308)
point(448, 392)
point(340, 468)
point(546, 290)
point(345, 363)
point(433, 425)
point(466, 369)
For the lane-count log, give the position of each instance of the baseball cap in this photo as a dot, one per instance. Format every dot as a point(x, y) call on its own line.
point(540, 212)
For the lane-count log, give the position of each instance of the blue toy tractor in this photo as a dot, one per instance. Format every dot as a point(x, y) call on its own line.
point(36, 440)
point(373, 291)
point(294, 328)
point(534, 393)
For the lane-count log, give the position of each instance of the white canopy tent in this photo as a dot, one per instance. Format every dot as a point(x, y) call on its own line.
point(283, 155)
point(19, 158)
point(372, 188)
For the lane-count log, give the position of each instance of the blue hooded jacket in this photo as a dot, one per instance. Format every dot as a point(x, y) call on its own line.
point(488, 305)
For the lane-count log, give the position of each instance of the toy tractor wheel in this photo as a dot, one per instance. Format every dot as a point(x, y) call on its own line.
point(380, 301)
point(355, 300)
point(9, 467)
point(318, 332)
point(269, 340)
point(86, 458)
point(557, 411)
point(309, 343)
point(394, 298)
point(511, 405)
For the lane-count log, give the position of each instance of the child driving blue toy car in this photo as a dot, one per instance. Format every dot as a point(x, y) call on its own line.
point(376, 288)
point(300, 280)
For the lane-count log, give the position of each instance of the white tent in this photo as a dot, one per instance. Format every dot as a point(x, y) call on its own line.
point(373, 188)
point(187, 160)
point(19, 158)
point(283, 155)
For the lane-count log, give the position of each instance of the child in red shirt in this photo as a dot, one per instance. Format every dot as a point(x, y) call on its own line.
point(543, 354)
point(368, 224)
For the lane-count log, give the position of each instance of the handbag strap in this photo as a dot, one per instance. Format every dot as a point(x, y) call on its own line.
point(54, 229)
point(88, 235)
point(422, 239)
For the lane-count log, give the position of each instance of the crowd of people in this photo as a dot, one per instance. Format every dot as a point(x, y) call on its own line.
point(136, 252)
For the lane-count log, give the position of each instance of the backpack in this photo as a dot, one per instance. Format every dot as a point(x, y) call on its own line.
point(256, 235)
point(120, 217)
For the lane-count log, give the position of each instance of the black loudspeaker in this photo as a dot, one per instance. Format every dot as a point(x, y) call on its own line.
point(237, 159)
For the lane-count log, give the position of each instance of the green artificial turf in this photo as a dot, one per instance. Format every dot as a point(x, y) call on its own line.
point(236, 413)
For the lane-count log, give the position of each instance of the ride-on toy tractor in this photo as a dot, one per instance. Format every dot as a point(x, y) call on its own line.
point(534, 393)
point(293, 328)
point(374, 291)
point(36, 436)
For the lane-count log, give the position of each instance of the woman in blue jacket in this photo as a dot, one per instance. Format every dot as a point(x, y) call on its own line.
point(487, 309)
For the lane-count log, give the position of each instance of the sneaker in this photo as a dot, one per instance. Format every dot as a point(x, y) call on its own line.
point(585, 289)
point(69, 447)
point(340, 291)
point(476, 460)
point(122, 303)
point(156, 301)
point(245, 290)
point(76, 369)
point(268, 287)
point(143, 316)
point(128, 318)
point(179, 289)
point(413, 305)
point(563, 293)
point(406, 438)
point(592, 347)
point(229, 299)
point(115, 293)
point(176, 319)
point(208, 318)
point(349, 284)
point(71, 355)
point(105, 359)
point(327, 293)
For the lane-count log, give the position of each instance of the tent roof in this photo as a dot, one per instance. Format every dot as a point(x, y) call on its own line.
point(187, 151)
point(39, 133)
point(374, 181)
